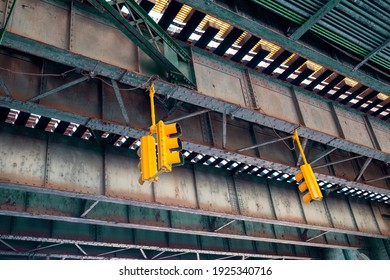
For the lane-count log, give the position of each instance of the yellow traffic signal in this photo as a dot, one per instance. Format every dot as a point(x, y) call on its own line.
point(168, 146)
point(148, 160)
point(309, 182)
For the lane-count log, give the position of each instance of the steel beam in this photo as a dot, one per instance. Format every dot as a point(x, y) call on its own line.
point(81, 249)
point(364, 167)
point(8, 245)
point(374, 52)
point(187, 116)
point(60, 88)
point(114, 242)
point(8, 14)
point(212, 99)
point(193, 190)
point(4, 87)
point(264, 144)
point(325, 9)
point(135, 133)
point(233, 106)
point(168, 60)
point(323, 154)
point(258, 29)
point(120, 102)
point(89, 209)
point(336, 162)
point(219, 99)
point(224, 131)
point(377, 179)
point(140, 218)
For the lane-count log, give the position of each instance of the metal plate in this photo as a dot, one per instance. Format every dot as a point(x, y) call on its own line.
point(365, 220)
point(30, 20)
point(113, 48)
point(122, 178)
point(256, 200)
point(24, 156)
point(286, 202)
point(354, 128)
point(71, 169)
point(275, 100)
point(176, 188)
point(340, 213)
point(382, 133)
point(213, 192)
point(220, 85)
point(316, 214)
point(317, 116)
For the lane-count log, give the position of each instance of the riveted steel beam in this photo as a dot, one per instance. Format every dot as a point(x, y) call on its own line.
point(102, 125)
point(374, 52)
point(60, 88)
point(133, 217)
point(115, 242)
point(232, 104)
point(314, 19)
point(5, 89)
point(259, 29)
point(223, 97)
point(109, 176)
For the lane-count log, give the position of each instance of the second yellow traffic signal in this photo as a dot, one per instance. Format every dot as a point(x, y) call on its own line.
point(309, 182)
point(168, 146)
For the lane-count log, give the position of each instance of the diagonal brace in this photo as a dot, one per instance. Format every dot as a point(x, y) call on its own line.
point(8, 245)
point(67, 85)
point(120, 101)
point(263, 144)
point(364, 167)
point(323, 154)
point(5, 88)
point(314, 19)
point(372, 54)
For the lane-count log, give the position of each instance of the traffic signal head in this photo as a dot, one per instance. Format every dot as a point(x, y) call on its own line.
point(168, 146)
point(148, 160)
point(309, 182)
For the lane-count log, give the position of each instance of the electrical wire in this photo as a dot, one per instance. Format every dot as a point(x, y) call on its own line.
point(273, 128)
point(151, 79)
point(63, 74)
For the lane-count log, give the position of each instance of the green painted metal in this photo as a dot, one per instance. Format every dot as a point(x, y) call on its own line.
point(67, 209)
point(134, 79)
point(260, 30)
point(7, 21)
point(143, 40)
point(156, 28)
point(60, 88)
point(116, 242)
point(5, 88)
point(314, 19)
point(373, 53)
point(288, 10)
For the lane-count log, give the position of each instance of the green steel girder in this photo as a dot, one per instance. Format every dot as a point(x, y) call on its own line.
point(166, 60)
point(4, 29)
point(164, 89)
point(78, 210)
point(103, 242)
point(374, 52)
point(78, 169)
point(258, 29)
point(313, 19)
